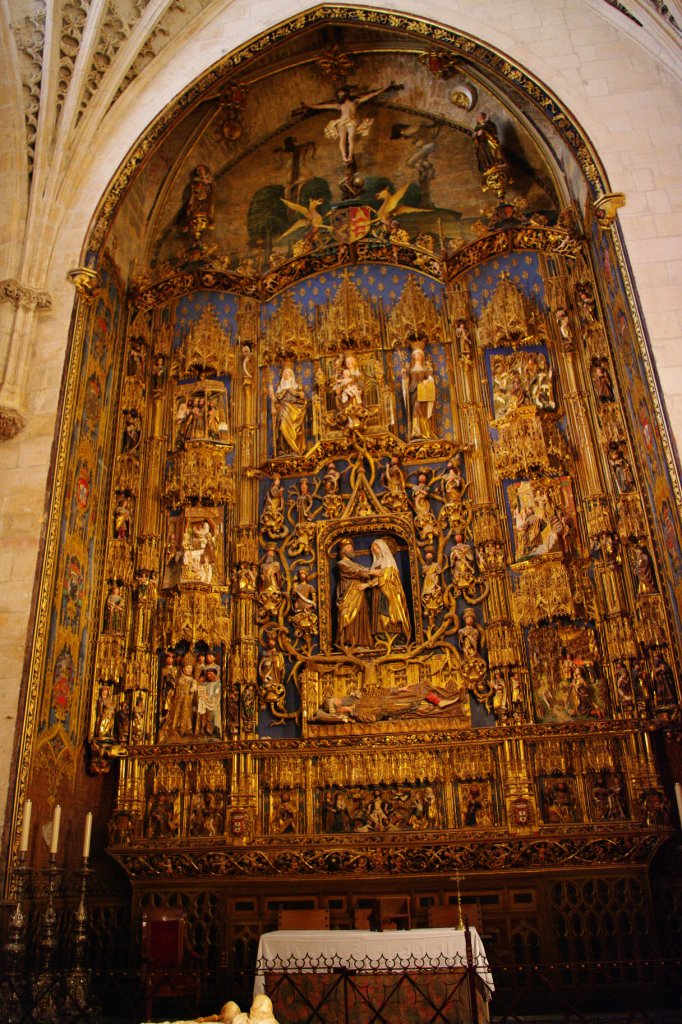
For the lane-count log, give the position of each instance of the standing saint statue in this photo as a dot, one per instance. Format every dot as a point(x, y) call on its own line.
point(389, 606)
point(487, 144)
point(352, 628)
point(179, 722)
point(199, 205)
point(420, 383)
point(289, 408)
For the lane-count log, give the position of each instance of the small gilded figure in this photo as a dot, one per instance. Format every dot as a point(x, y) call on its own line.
point(303, 605)
point(663, 681)
point(395, 496)
point(272, 516)
point(114, 610)
point(643, 569)
point(487, 144)
point(105, 718)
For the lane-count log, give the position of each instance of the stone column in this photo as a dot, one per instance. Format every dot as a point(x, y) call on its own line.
point(19, 308)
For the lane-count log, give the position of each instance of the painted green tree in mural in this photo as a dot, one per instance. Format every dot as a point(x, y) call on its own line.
point(267, 217)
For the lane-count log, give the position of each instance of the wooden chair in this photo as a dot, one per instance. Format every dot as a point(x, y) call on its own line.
point(166, 972)
point(447, 915)
point(361, 918)
point(303, 920)
point(390, 912)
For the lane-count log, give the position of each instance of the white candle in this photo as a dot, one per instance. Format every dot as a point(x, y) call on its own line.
point(25, 827)
point(678, 797)
point(86, 835)
point(56, 820)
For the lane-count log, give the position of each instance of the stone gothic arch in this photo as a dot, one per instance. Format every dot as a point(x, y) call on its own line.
point(540, 390)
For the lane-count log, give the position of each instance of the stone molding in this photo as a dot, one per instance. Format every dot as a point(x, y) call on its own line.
point(20, 294)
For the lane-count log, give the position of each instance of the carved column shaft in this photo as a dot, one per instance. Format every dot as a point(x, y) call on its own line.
point(149, 522)
point(474, 432)
point(19, 308)
point(583, 443)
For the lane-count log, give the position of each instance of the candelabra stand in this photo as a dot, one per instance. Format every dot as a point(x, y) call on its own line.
point(13, 993)
point(457, 877)
point(46, 995)
point(78, 995)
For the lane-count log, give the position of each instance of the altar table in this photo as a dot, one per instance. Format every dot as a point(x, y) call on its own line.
point(302, 969)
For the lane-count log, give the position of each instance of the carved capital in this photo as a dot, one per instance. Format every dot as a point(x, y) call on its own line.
point(85, 281)
point(606, 208)
point(20, 294)
point(11, 422)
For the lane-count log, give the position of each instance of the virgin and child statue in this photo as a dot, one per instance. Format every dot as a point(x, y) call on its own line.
point(370, 600)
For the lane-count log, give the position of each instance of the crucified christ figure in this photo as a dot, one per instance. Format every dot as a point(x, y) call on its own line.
point(347, 126)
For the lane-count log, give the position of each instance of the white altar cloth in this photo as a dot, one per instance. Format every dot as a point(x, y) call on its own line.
point(410, 949)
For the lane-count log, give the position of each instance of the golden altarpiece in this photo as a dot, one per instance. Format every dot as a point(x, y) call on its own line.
point(366, 562)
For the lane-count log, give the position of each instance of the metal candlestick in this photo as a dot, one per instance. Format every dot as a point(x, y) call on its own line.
point(13, 992)
point(78, 979)
point(457, 878)
point(45, 995)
